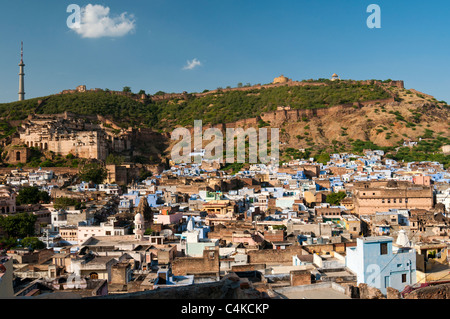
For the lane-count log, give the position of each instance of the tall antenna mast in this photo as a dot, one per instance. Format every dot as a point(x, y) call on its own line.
point(21, 75)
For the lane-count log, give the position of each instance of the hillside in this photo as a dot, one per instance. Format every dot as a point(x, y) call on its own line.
point(320, 117)
point(221, 106)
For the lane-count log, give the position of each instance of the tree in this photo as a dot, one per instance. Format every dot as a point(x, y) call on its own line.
point(141, 92)
point(65, 202)
point(113, 159)
point(7, 242)
point(32, 243)
point(323, 158)
point(32, 195)
point(93, 172)
point(143, 174)
point(18, 226)
point(335, 198)
point(149, 231)
point(126, 89)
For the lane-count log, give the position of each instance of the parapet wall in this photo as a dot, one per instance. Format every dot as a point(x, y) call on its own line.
point(278, 256)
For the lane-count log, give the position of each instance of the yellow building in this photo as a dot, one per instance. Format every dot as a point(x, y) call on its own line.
point(220, 208)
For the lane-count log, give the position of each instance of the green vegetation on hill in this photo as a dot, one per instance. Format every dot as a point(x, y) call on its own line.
point(226, 107)
point(425, 150)
point(49, 159)
point(222, 107)
point(6, 129)
point(126, 111)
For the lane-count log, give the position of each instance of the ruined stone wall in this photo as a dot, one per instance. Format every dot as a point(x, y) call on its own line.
point(272, 256)
point(321, 249)
point(300, 277)
point(432, 292)
point(119, 274)
point(17, 155)
point(209, 263)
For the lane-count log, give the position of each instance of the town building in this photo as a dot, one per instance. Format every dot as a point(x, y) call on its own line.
point(378, 262)
point(376, 196)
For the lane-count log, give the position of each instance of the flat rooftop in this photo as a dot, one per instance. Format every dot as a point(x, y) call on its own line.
point(116, 241)
point(315, 291)
point(376, 239)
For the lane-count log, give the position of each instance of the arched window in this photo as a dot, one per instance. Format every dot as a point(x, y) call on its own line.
point(17, 156)
point(93, 275)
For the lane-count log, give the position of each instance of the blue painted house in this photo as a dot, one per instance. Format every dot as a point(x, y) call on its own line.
point(380, 264)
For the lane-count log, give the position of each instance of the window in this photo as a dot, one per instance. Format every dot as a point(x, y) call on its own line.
point(383, 248)
point(403, 278)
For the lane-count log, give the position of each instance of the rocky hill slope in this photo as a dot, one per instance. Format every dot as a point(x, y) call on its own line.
point(314, 117)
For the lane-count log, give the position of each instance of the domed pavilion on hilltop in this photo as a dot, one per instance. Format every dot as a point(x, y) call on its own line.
point(335, 77)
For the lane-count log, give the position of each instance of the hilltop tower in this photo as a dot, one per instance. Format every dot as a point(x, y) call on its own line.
point(21, 76)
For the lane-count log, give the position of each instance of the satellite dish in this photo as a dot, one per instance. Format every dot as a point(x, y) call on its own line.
point(166, 233)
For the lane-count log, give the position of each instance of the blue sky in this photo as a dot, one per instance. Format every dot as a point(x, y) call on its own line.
point(248, 41)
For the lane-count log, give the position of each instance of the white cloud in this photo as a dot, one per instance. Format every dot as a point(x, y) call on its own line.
point(96, 22)
point(192, 64)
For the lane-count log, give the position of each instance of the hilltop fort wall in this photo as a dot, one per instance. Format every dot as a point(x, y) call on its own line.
point(185, 95)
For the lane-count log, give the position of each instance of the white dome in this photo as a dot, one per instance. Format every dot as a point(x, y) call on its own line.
point(190, 225)
point(138, 218)
point(402, 239)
